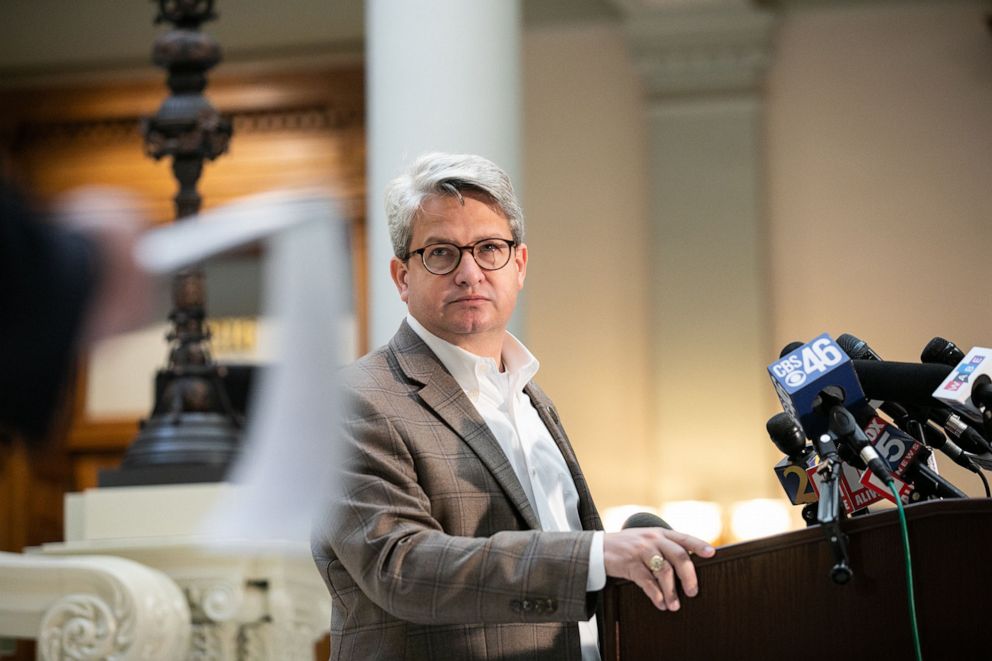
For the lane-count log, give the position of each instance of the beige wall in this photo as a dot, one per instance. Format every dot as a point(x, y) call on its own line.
point(877, 148)
point(585, 197)
point(880, 177)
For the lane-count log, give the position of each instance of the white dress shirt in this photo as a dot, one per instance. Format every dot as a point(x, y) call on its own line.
point(500, 399)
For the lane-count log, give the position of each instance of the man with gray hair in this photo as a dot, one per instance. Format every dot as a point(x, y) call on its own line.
point(466, 529)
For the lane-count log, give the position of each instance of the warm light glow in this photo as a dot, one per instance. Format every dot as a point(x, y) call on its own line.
point(760, 517)
point(699, 518)
point(613, 517)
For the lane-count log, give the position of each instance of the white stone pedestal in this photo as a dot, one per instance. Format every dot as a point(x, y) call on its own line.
point(247, 600)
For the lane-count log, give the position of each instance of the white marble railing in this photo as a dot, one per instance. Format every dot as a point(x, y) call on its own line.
point(92, 607)
point(135, 578)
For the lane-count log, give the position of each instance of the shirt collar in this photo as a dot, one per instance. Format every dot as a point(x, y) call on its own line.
point(469, 369)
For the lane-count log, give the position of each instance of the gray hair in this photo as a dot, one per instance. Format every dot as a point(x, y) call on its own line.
point(447, 174)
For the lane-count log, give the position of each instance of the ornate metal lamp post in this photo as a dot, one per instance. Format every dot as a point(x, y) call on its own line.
point(192, 434)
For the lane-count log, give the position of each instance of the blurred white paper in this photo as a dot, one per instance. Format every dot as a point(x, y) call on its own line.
point(285, 471)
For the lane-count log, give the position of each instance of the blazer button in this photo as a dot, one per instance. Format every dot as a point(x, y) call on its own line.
point(515, 606)
point(527, 605)
point(552, 605)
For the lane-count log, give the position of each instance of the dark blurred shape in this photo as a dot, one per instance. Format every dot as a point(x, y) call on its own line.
point(48, 277)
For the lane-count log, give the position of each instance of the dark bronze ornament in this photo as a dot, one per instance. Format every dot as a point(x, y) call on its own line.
point(193, 432)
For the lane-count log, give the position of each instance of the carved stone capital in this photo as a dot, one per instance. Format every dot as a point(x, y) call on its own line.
point(85, 626)
point(686, 47)
point(214, 599)
point(89, 608)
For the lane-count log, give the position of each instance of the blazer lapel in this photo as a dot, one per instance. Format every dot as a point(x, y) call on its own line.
point(442, 394)
point(549, 416)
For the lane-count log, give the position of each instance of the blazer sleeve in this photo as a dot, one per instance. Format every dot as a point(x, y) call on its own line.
point(383, 534)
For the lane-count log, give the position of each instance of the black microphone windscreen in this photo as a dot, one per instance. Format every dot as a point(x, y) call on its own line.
point(944, 352)
point(645, 520)
point(789, 348)
point(856, 348)
point(906, 383)
point(786, 434)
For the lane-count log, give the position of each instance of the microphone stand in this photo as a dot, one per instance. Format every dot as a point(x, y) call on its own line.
point(829, 510)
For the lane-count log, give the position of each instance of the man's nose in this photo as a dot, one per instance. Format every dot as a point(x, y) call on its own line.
point(468, 270)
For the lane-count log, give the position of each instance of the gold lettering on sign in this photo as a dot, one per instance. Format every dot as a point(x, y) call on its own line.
point(233, 335)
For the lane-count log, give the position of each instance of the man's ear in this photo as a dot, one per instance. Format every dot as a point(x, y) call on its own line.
point(399, 271)
point(520, 256)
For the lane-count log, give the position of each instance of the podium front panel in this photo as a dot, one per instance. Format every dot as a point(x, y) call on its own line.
point(774, 599)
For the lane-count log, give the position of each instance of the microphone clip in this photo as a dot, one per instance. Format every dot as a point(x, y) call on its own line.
point(828, 512)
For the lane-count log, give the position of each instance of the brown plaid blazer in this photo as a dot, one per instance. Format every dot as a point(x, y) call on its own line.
point(434, 551)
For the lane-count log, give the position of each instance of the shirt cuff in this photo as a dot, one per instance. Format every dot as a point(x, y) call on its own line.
point(596, 578)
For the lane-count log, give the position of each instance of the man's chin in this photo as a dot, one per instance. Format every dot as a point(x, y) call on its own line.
point(471, 324)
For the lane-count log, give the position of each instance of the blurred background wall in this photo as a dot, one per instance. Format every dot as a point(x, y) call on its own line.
point(680, 230)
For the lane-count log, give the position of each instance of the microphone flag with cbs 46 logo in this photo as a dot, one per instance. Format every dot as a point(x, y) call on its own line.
point(802, 378)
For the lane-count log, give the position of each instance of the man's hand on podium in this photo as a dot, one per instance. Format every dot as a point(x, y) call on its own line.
point(631, 554)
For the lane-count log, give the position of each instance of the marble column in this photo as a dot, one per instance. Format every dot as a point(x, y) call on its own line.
point(443, 75)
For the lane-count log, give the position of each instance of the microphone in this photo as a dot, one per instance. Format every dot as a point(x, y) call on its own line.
point(933, 436)
point(964, 389)
point(939, 350)
point(805, 378)
point(969, 438)
point(793, 469)
point(906, 455)
point(645, 520)
point(786, 434)
point(909, 384)
point(846, 428)
point(912, 422)
point(919, 385)
point(817, 378)
point(981, 393)
point(931, 386)
point(828, 509)
point(829, 474)
point(855, 347)
point(789, 348)
point(803, 373)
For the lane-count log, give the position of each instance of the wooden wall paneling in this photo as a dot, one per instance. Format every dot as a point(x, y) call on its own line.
point(290, 129)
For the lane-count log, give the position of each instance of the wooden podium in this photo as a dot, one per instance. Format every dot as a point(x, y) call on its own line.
point(773, 598)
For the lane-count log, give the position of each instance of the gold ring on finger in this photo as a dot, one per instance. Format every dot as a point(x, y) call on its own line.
point(656, 563)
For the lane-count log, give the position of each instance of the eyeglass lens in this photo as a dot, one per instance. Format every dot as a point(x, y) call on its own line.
point(491, 254)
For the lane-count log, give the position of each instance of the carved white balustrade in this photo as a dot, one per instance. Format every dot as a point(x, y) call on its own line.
point(90, 608)
point(246, 600)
